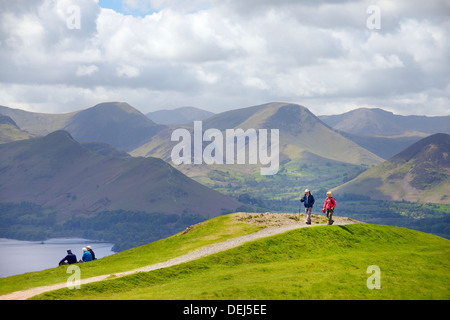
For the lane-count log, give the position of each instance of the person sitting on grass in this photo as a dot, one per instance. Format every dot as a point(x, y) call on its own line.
point(69, 258)
point(87, 256)
point(91, 252)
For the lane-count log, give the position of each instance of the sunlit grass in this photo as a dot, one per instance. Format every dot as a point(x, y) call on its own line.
point(325, 262)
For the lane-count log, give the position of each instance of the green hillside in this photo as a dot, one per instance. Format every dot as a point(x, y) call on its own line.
point(212, 231)
point(58, 172)
point(311, 263)
point(420, 173)
point(322, 262)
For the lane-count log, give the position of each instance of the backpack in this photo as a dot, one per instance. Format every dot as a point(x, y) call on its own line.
point(333, 201)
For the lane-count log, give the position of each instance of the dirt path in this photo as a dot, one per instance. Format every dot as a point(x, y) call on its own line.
point(276, 223)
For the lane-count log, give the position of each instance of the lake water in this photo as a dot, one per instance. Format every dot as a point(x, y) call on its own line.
point(17, 257)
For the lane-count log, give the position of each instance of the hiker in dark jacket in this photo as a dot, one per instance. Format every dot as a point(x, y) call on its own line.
point(308, 202)
point(69, 259)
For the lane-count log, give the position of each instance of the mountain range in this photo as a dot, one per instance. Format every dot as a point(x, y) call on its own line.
point(385, 133)
point(115, 123)
point(378, 122)
point(347, 138)
point(113, 157)
point(123, 127)
point(300, 132)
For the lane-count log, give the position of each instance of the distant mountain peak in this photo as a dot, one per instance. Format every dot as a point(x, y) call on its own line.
point(59, 134)
point(435, 148)
point(371, 110)
point(124, 106)
point(116, 123)
point(379, 122)
point(181, 115)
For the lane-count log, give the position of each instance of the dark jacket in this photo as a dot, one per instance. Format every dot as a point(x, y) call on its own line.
point(92, 254)
point(308, 201)
point(70, 258)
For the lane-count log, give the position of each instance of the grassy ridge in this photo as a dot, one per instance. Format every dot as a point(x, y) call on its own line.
point(209, 232)
point(325, 262)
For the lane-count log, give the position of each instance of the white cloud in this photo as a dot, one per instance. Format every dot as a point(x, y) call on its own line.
point(223, 54)
point(87, 70)
point(128, 71)
point(257, 83)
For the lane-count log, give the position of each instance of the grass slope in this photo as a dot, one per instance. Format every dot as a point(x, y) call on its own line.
point(212, 231)
point(324, 262)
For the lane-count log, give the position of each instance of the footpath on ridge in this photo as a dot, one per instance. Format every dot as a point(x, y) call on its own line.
point(275, 223)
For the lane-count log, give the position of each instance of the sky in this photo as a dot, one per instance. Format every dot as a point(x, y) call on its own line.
point(331, 56)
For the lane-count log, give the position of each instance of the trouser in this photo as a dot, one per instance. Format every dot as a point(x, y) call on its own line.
point(329, 216)
point(308, 214)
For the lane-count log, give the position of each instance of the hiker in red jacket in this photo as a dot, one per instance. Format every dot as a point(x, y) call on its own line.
point(328, 207)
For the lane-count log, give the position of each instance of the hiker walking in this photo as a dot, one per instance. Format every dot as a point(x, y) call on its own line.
point(328, 207)
point(308, 202)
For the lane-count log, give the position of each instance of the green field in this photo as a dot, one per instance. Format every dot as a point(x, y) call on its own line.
point(323, 262)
